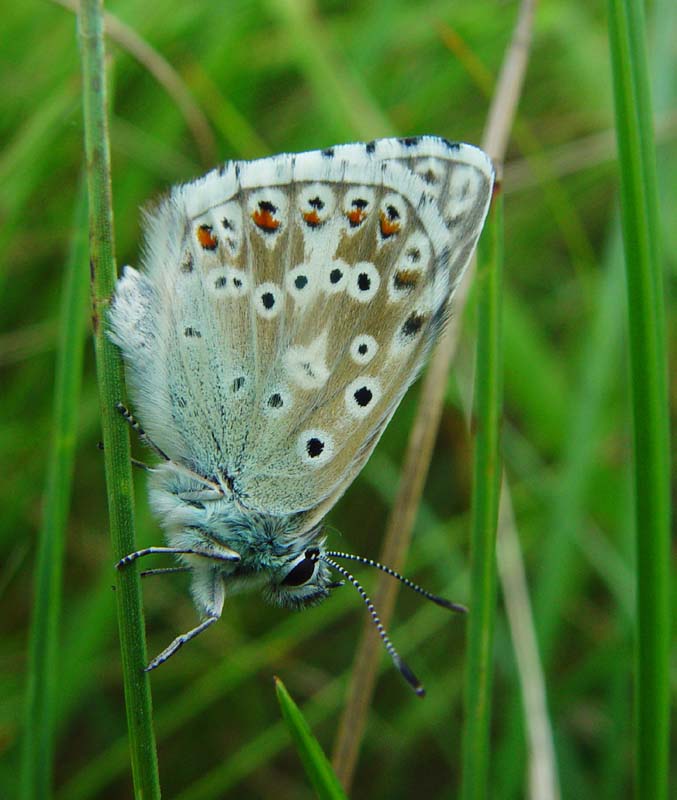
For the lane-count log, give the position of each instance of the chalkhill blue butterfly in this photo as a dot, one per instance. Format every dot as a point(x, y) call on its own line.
point(283, 308)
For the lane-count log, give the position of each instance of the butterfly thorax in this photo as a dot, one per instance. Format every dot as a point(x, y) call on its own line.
point(247, 549)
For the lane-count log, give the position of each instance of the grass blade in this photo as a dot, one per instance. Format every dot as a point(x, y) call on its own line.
point(111, 390)
point(315, 762)
point(42, 683)
point(640, 222)
point(486, 492)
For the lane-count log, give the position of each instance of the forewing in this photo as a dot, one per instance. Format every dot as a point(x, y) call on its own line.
point(294, 300)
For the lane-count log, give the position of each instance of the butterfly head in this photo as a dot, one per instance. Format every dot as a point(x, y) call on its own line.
point(304, 580)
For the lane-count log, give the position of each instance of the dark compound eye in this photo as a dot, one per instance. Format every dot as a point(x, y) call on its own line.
point(301, 573)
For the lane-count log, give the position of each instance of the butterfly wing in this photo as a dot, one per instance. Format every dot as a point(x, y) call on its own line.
point(287, 304)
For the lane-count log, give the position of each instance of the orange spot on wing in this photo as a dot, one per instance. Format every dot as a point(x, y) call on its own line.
point(406, 278)
point(356, 216)
point(389, 227)
point(206, 238)
point(265, 220)
point(312, 218)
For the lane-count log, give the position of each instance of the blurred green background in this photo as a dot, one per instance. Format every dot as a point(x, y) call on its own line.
point(265, 77)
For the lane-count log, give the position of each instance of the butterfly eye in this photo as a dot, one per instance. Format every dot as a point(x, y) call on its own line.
point(301, 573)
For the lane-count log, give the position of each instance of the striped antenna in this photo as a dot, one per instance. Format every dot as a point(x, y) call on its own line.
point(402, 667)
point(371, 563)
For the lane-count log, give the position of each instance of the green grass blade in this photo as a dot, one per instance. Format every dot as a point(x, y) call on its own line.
point(42, 682)
point(486, 491)
point(111, 390)
point(317, 767)
point(640, 222)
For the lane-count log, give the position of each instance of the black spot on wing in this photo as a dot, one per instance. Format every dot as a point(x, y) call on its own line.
point(314, 447)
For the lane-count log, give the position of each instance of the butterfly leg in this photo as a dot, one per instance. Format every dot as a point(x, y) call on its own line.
point(163, 571)
point(135, 425)
point(223, 553)
point(209, 593)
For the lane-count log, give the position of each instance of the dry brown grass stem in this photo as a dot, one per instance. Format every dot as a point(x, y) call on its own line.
point(165, 74)
point(422, 437)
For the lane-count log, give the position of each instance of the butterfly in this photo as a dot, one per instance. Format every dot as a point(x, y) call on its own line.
point(283, 308)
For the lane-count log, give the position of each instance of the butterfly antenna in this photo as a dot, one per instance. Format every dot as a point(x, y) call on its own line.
point(402, 667)
point(440, 601)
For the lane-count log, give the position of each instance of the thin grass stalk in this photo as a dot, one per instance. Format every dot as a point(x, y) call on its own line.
point(422, 437)
point(37, 757)
point(646, 326)
point(117, 453)
point(165, 74)
point(485, 501)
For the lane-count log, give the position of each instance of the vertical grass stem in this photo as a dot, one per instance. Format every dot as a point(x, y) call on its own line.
point(111, 390)
point(485, 501)
point(646, 328)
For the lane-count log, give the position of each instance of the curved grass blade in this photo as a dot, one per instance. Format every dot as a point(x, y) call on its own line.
point(317, 767)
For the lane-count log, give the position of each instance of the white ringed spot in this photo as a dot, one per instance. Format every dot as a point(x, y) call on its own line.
point(363, 348)
point(361, 395)
point(364, 282)
point(268, 209)
point(306, 365)
point(301, 282)
point(417, 251)
point(357, 205)
point(277, 402)
point(316, 203)
point(315, 447)
point(335, 276)
point(268, 300)
point(392, 216)
point(433, 172)
point(463, 191)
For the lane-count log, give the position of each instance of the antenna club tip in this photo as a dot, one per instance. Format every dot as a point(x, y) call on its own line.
point(409, 677)
point(457, 607)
